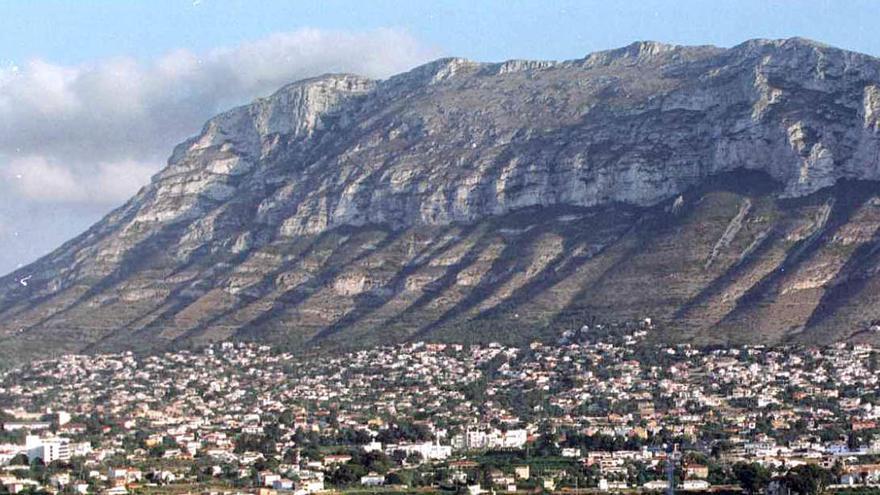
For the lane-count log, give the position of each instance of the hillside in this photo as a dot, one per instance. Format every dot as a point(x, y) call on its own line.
point(729, 194)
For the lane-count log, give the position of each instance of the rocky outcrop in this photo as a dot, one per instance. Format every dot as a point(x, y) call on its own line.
point(234, 229)
point(605, 131)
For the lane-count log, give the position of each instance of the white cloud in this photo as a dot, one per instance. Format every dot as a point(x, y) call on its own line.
point(35, 178)
point(78, 140)
point(115, 182)
point(93, 133)
point(38, 179)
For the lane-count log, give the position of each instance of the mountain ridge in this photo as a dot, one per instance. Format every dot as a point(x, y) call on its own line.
point(226, 240)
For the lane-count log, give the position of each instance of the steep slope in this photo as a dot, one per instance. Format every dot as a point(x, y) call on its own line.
point(727, 192)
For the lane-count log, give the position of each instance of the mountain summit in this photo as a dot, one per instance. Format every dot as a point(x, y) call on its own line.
point(727, 193)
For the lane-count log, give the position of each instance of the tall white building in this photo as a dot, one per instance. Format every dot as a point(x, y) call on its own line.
point(48, 449)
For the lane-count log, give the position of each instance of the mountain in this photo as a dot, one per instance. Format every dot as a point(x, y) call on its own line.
point(728, 194)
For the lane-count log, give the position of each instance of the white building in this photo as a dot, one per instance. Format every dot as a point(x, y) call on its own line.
point(9, 451)
point(48, 449)
point(694, 485)
point(80, 449)
point(268, 478)
point(373, 446)
point(372, 479)
point(429, 451)
point(30, 426)
point(492, 439)
point(571, 452)
point(656, 485)
point(63, 418)
point(310, 486)
point(605, 485)
point(514, 439)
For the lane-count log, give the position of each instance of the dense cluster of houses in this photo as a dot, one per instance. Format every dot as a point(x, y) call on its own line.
point(610, 415)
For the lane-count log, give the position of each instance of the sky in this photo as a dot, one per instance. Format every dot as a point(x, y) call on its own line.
point(94, 94)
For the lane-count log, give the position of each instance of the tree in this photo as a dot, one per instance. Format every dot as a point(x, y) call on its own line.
point(257, 443)
point(287, 418)
point(414, 458)
point(347, 474)
point(157, 451)
point(273, 432)
point(263, 464)
point(398, 456)
point(546, 446)
point(37, 469)
point(405, 431)
point(807, 479)
point(400, 478)
point(373, 461)
point(752, 477)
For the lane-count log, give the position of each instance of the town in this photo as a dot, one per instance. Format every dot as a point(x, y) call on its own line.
point(596, 411)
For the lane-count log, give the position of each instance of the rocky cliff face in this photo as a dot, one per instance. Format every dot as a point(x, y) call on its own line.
point(449, 200)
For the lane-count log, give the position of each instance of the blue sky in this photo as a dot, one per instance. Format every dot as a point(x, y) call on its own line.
point(94, 94)
point(76, 31)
